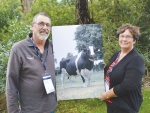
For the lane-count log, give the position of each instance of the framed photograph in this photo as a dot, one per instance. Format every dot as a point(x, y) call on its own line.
point(79, 64)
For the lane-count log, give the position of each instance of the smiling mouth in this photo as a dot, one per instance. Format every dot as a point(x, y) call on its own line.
point(124, 43)
point(43, 32)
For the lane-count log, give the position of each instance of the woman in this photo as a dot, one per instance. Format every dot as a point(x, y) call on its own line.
point(123, 74)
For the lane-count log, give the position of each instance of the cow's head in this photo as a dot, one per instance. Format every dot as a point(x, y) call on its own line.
point(90, 52)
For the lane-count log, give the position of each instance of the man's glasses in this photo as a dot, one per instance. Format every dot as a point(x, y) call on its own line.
point(42, 24)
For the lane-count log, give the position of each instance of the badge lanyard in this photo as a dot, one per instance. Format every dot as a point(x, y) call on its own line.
point(38, 54)
point(49, 87)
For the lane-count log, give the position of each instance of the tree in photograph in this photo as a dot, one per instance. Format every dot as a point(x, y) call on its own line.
point(87, 35)
point(69, 55)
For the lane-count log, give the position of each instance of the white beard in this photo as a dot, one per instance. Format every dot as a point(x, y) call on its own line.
point(42, 37)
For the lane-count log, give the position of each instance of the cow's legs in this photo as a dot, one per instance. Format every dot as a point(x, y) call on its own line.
point(89, 80)
point(62, 80)
point(86, 74)
point(70, 82)
point(84, 85)
point(83, 78)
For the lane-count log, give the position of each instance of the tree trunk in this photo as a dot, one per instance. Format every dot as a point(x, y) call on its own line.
point(147, 73)
point(26, 4)
point(83, 15)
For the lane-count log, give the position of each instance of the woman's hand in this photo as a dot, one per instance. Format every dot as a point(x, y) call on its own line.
point(107, 95)
point(103, 96)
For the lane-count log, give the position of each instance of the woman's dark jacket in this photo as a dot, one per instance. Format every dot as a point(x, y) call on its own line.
point(126, 78)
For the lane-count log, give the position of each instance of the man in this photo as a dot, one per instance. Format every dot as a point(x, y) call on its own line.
point(30, 83)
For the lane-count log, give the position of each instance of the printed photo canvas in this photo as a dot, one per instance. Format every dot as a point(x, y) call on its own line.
point(79, 63)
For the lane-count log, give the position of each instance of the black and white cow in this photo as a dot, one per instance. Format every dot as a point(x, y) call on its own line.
point(79, 65)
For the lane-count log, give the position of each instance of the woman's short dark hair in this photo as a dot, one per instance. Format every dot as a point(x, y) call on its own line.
point(134, 30)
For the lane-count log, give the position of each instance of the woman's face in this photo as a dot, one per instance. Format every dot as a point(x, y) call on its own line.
point(126, 40)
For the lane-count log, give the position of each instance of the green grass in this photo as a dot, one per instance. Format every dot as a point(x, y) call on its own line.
point(81, 106)
point(145, 107)
point(87, 105)
point(96, 105)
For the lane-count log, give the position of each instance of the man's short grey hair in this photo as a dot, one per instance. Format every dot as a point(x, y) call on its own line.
point(41, 13)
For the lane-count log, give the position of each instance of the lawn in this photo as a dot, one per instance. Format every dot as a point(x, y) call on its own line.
point(86, 105)
point(96, 106)
point(145, 108)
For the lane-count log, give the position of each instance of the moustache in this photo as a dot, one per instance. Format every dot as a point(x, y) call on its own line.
point(44, 31)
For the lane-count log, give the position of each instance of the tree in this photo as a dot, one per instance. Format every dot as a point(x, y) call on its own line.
point(14, 25)
point(112, 14)
point(144, 41)
point(87, 35)
point(69, 2)
point(26, 5)
point(83, 14)
point(69, 55)
point(8, 18)
point(60, 13)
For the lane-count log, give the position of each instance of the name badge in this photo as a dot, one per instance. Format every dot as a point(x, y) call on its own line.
point(49, 87)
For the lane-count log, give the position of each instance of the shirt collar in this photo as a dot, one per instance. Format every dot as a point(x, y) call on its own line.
point(29, 41)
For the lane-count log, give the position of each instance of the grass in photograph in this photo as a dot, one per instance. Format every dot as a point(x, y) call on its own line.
point(78, 91)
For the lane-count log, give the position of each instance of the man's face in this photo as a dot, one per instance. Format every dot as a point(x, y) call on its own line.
point(41, 28)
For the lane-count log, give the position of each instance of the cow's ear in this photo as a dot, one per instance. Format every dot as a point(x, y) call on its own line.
point(97, 49)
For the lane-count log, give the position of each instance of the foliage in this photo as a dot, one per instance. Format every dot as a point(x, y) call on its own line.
point(144, 45)
point(3, 59)
point(111, 14)
point(14, 26)
point(8, 19)
point(12, 36)
point(60, 13)
point(69, 2)
point(7, 13)
point(69, 55)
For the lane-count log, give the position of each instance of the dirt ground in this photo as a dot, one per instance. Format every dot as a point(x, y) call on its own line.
point(3, 103)
point(146, 82)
